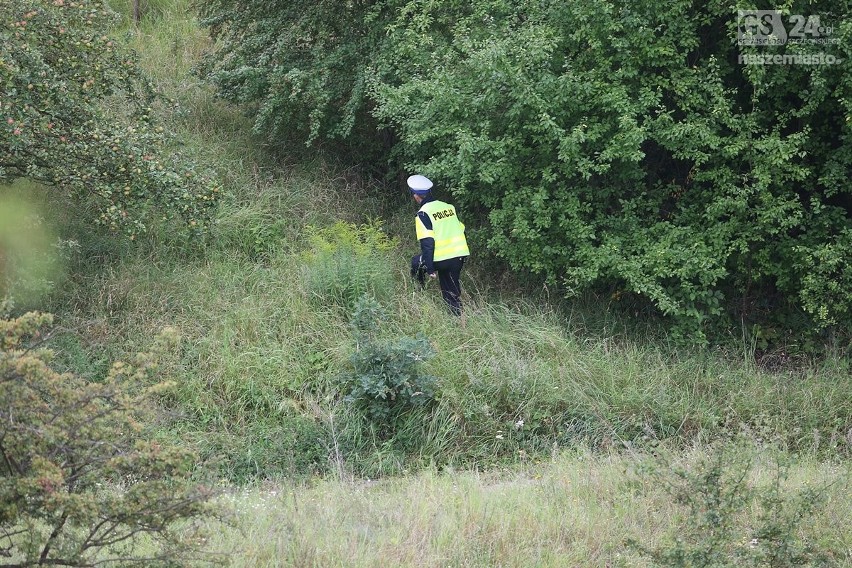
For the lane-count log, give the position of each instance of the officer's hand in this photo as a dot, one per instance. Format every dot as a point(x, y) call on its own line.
point(433, 275)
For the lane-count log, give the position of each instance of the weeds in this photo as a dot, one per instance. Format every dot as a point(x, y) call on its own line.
point(346, 261)
point(727, 518)
point(576, 509)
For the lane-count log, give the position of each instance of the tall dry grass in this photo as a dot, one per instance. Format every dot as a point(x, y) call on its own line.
point(578, 509)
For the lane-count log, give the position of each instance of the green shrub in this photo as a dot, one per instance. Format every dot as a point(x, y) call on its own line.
point(717, 495)
point(346, 261)
point(386, 380)
point(309, 82)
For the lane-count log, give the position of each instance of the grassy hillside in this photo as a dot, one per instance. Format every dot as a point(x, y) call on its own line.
point(265, 309)
point(544, 412)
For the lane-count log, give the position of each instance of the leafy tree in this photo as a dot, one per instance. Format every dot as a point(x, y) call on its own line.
point(80, 482)
point(76, 114)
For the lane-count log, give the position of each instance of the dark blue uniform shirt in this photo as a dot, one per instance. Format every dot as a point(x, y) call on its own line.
point(427, 245)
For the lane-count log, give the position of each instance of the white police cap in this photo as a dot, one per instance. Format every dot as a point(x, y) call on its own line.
point(419, 184)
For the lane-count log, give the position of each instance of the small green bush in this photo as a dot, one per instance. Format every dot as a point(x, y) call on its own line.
point(386, 380)
point(729, 519)
point(346, 261)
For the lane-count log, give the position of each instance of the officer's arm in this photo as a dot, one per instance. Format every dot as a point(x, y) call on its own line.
point(427, 253)
point(426, 236)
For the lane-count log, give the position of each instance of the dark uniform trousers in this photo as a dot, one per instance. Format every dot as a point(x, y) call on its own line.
point(449, 276)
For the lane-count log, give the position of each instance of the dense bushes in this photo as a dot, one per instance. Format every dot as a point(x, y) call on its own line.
point(615, 145)
point(300, 66)
point(623, 144)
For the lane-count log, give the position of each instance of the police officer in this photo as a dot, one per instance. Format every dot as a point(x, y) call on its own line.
point(443, 246)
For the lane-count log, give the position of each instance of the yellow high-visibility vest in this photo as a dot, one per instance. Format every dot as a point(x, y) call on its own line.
point(447, 230)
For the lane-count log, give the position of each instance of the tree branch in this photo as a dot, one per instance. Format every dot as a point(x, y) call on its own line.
point(13, 467)
point(56, 530)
